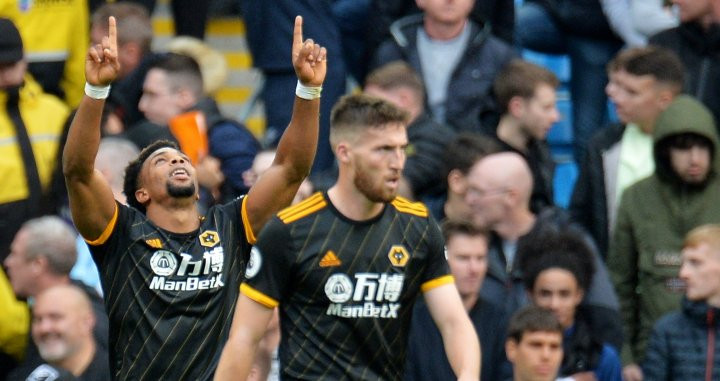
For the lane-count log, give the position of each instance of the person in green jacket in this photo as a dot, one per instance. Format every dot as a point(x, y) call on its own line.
point(654, 216)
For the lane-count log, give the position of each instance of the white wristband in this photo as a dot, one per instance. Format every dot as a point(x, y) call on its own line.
point(97, 92)
point(308, 92)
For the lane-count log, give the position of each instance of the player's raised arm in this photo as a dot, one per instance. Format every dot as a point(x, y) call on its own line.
point(249, 325)
point(295, 153)
point(459, 338)
point(91, 200)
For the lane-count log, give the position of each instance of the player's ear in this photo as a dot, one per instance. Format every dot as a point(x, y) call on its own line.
point(342, 152)
point(142, 196)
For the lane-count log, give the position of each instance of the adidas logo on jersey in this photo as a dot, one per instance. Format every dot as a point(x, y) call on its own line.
point(330, 260)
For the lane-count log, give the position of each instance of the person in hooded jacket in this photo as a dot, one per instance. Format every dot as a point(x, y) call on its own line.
point(653, 217)
point(683, 344)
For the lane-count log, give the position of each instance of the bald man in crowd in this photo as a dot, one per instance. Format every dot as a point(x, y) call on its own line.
point(62, 329)
point(499, 188)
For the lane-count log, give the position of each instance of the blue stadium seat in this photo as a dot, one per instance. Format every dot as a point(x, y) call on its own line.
point(612, 114)
point(560, 137)
point(566, 174)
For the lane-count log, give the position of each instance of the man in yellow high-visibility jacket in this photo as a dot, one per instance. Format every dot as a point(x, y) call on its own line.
point(31, 126)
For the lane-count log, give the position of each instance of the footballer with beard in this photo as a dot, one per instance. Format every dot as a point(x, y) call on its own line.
point(170, 274)
point(345, 267)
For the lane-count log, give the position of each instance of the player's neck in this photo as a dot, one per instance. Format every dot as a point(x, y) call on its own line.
point(353, 204)
point(174, 218)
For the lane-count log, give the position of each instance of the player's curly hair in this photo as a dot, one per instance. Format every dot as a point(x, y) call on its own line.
point(132, 171)
point(562, 248)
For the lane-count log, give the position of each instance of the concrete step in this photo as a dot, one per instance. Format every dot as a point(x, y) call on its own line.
point(227, 35)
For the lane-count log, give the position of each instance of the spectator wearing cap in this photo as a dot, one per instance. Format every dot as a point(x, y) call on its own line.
point(31, 125)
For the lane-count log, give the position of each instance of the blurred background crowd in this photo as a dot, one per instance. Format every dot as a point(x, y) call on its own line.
point(567, 147)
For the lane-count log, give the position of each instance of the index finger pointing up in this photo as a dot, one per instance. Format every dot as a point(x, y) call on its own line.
point(112, 33)
point(297, 35)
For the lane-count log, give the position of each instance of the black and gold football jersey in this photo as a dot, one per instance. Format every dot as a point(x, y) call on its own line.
point(345, 288)
point(170, 297)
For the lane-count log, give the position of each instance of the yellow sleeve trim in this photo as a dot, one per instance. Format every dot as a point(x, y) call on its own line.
point(258, 296)
point(108, 230)
point(306, 207)
point(437, 282)
point(249, 235)
point(414, 208)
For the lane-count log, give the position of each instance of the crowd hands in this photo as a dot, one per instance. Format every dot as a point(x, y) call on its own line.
point(629, 272)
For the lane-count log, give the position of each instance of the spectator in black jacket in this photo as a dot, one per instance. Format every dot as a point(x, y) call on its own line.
point(643, 82)
point(525, 95)
point(697, 42)
point(683, 345)
point(398, 83)
point(467, 258)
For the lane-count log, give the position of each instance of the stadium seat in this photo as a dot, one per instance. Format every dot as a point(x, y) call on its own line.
point(566, 174)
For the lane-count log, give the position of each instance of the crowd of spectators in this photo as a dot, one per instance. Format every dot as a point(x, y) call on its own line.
point(635, 257)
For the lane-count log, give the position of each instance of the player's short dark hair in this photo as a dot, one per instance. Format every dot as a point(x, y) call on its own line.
point(467, 148)
point(660, 63)
point(532, 319)
point(450, 228)
point(182, 71)
point(520, 78)
point(357, 112)
point(563, 248)
point(132, 171)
